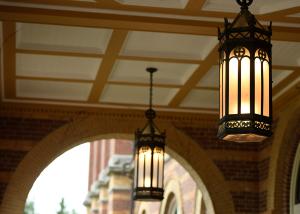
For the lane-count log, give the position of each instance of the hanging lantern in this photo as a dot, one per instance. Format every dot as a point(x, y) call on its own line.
point(245, 64)
point(149, 157)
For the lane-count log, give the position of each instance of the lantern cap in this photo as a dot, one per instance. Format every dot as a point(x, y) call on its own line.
point(244, 22)
point(246, 19)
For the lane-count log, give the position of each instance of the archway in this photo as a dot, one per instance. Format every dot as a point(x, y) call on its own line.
point(186, 151)
point(283, 154)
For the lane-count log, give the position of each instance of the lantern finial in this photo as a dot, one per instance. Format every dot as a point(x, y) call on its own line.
point(244, 3)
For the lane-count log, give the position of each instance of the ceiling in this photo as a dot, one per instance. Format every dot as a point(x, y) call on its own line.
point(94, 53)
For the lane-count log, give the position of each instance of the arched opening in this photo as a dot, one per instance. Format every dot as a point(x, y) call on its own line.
point(172, 207)
point(295, 185)
point(62, 185)
point(181, 147)
point(283, 161)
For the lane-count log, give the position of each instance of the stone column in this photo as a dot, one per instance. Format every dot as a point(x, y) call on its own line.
point(120, 185)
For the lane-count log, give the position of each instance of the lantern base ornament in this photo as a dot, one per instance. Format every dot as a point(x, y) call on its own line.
point(244, 130)
point(148, 194)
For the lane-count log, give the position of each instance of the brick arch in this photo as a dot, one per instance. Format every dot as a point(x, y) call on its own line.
point(286, 141)
point(185, 150)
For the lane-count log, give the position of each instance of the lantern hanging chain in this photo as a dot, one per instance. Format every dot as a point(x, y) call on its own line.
point(151, 90)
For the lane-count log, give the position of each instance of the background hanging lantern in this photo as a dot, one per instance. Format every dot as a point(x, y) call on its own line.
point(149, 157)
point(245, 65)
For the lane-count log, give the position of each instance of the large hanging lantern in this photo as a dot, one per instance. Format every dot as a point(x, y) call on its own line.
point(149, 157)
point(245, 78)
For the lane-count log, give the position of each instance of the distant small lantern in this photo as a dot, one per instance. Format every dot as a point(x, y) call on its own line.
point(149, 157)
point(245, 64)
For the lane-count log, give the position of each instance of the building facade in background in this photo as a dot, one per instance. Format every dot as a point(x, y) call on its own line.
point(110, 184)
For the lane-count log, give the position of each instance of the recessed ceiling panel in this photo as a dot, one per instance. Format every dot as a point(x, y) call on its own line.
point(279, 75)
point(32, 65)
point(156, 3)
point(125, 94)
point(62, 38)
point(168, 45)
point(257, 7)
point(168, 73)
point(199, 98)
point(211, 78)
point(286, 53)
point(53, 90)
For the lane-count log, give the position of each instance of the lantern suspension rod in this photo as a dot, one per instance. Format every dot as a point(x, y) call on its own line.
point(151, 70)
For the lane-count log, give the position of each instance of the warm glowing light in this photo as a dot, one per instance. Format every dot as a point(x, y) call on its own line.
point(158, 157)
point(266, 88)
point(257, 86)
point(245, 83)
point(224, 87)
point(221, 90)
point(233, 86)
point(145, 166)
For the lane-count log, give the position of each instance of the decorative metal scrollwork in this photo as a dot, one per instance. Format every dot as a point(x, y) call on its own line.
point(262, 125)
point(238, 124)
point(262, 54)
point(239, 52)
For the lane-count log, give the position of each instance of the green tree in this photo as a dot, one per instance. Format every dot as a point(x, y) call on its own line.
point(62, 205)
point(74, 212)
point(29, 207)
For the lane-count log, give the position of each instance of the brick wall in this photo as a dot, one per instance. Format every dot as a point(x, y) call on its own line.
point(17, 136)
point(245, 167)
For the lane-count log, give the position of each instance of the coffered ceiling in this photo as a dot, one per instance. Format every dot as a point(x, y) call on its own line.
point(94, 53)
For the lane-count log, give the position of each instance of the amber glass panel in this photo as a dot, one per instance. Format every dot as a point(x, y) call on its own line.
point(233, 86)
point(221, 90)
point(135, 170)
point(144, 167)
point(257, 86)
point(266, 89)
point(157, 156)
point(245, 85)
point(161, 168)
point(224, 87)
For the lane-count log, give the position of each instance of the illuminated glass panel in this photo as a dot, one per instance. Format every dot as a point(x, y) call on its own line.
point(266, 89)
point(144, 167)
point(161, 168)
point(245, 82)
point(257, 86)
point(221, 90)
point(233, 86)
point(224, 87)
point(157, 156)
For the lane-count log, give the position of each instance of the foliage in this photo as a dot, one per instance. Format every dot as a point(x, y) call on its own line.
point(29, 207)
point(62, 207)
